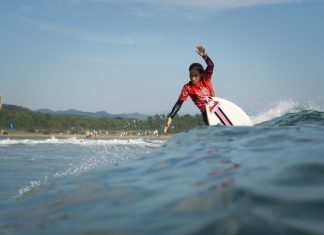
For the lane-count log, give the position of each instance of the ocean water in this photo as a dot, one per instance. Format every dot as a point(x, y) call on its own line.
point(263, 179)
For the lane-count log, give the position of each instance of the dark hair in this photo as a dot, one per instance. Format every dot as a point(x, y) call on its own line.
point(198, 67)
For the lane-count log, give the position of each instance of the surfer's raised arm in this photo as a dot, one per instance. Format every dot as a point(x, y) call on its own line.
point(199, 87)
point(210, 65)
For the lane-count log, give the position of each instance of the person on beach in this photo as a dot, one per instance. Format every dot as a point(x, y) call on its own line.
point(199, 88)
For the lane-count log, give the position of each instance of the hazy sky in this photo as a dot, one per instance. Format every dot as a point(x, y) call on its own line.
point(126, 56)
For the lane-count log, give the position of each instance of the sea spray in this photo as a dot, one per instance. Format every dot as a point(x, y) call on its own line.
point(40, 162)
point(280, 108)
point(275, 110)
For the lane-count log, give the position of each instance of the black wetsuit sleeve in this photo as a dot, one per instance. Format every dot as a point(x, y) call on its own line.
point(176, 108)
point(210, 64)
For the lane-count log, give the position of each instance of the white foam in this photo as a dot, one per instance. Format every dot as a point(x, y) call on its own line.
point(109, 154)
point(83, 142)
point(312, 105)
point(275, 110)
point(280, 108)
point(10, 141)
point(28, 188)
point(103, 152)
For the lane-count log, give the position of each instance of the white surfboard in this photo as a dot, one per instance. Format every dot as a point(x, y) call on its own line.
point(224, 112)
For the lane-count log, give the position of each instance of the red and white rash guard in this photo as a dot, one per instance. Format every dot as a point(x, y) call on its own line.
point(200, 91)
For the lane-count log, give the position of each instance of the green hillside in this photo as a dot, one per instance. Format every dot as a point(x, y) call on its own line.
point(24, 119)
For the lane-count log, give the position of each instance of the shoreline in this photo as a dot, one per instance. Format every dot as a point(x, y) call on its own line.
point(26, 135)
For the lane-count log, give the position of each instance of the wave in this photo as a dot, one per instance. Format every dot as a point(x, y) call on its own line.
point(82, 142)
point(281, 112)
point(275, 110)
point(106, 152)
point(241, 180)
point(84, 156)
point(306, 117)
point(116, 151)
point(28, 188)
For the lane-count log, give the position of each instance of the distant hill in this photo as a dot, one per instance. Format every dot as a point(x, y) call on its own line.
point(15, 118)
point(93, 114)
point(15, 108)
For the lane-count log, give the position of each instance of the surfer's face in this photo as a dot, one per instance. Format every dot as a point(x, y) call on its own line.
point(195, 76)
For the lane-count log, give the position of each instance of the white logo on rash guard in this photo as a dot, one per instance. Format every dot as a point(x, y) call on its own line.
point(203, 92)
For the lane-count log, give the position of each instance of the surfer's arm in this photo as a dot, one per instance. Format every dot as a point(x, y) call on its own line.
point(210, 65)
point(174, 111)
point(176, 108)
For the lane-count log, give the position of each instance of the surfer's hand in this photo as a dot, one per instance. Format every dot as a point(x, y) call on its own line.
point(165, 129)
point(201, 50)
point(167, 125)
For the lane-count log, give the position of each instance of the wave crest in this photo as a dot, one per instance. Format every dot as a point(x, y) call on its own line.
point(281, 108)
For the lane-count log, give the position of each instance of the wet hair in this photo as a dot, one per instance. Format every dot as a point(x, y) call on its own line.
point(198, 67)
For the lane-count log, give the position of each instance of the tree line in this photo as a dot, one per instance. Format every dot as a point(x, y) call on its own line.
point(23, 119)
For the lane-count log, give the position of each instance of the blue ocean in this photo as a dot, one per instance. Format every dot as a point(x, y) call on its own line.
point(263, 179)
